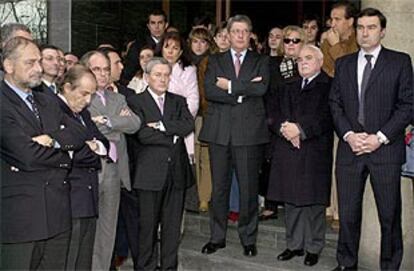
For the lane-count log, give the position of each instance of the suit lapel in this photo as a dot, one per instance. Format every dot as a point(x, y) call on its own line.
point(247, 64)
point(152, 105)
point(353, 76)
point(228, 65)
point(378, 68)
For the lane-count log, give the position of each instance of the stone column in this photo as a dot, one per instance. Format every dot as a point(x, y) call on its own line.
point(59, 23)
point(400, 22)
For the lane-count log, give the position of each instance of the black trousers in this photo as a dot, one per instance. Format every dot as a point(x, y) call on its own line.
point(81, 243)
point(49, 254)
point(386, 185)
point(164, 208)
point(246, 160)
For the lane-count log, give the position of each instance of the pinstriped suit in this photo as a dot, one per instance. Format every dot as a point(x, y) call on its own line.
point(388, 105)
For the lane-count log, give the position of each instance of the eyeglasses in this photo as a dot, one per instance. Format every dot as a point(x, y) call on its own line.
point(295, 40)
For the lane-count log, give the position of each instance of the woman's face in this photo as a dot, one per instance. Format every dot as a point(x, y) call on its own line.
point(171, 51)
point(222, 40)
point(199, 46)
point(292, 44)
point(275, 38)
point(145, 56)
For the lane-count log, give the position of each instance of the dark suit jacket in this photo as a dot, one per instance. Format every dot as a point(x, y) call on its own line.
point(45, 90)
point(388, 104)
point(83, 176)
point(226, 121)
point(302, 176)
point(35, 194)
point(159, 155)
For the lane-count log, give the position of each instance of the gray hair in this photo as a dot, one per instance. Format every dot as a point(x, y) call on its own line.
point(155, 61)
point(87, 56)
point(239, 18)
point(14, 46)
point(8, 31)
point(315, 49)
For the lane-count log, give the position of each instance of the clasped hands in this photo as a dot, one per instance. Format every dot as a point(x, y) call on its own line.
point(362, 143)
point(291, 133)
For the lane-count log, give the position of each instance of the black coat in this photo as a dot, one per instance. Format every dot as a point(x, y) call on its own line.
point(303, 176)
point(83, 176)
point(158, 154)
point(35, 194)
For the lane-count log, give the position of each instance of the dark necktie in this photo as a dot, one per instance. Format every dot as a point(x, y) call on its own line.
point(305, 83)
point(365, 78)
point(79, 118)
point(35, 109)
point(53, 88)
point(237, 64)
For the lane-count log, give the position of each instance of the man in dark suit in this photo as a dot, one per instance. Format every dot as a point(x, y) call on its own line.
point(75, 94)
point(162, 171)
point(235, 128)
point(157, 24)
point(371, 103)
point(50, 64)
point(35, 139)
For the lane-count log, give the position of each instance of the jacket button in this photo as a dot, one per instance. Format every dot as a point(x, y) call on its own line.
point(89, 187)
point(169, 159)
point(64, 182)
point(46, 183)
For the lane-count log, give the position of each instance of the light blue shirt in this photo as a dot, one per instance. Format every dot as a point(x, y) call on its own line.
point(22, 94)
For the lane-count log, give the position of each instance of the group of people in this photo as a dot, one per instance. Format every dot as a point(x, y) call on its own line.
point(87, 140)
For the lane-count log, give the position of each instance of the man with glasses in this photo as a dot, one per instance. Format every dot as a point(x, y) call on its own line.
point(235, 128)
point(111, 114)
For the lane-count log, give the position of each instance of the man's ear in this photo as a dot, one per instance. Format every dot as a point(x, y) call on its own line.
point(8, 66)
point(382, 34)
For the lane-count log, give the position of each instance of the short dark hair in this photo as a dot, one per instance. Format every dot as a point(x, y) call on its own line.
point(203, 20)
point(157, 12)
point(107, 50)
point(371, 12)
point(350, 10)
point(312, 17)
point(48, 46)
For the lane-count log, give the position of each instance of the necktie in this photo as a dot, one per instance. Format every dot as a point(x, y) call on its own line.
point(101, 95)
point(113, 154)
point(237, 64)
point(365, 78)
point(305, 83)
point(79, 118)
point(161, 104)
point(52, 87)
point(35, 109)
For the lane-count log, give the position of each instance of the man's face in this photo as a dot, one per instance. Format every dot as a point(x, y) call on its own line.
point(62, 63)
point(71, 60)
point(275, 38)
point(50, 62)
point(158, 78)
point(339, 23)
point(156, 25)
point(369, 32)
point(100, 66)
point(239, 36)
point(116, 66)
point(79, 97)
point(25, 70)
point(308, 63)
point(311, 30)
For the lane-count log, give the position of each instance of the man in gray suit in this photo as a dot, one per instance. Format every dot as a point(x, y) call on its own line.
point(110, 112)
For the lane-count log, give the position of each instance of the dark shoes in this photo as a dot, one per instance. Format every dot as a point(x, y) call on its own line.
point(263, 216)
point(210, 248)
point(344, 268)
point(289, 254)
point(250, 250)
point(311, 259)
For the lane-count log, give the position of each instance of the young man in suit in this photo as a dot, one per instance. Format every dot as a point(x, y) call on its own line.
point(113, 117)
point(236, 130)
point(50, 64)
point(371, 103)
point(35, 139)
point(162, 171)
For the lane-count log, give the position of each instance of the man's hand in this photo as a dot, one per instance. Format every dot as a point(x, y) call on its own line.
point(289, 130)
point(356, 141)
point(154, 125)
point(44, 140)
point(332, 36)
point(370, 144)
point(100, 120)
point(92, 144)
point(125, 112)
point(223, 83)
point(257, 79)
point(295, 142)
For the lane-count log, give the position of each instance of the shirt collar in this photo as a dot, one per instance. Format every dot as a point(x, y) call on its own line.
point(154, 95)
point(374, 54)
point(312, 77)
point(21, 93)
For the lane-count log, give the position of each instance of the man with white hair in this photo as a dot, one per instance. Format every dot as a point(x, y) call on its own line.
point(302, 157)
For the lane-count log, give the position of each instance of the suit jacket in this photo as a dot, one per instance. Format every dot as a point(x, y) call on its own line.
point(119, 125)
point(308, 168)
point(83, 176)
point(45, 90)
point(388, 104)
point(227, 121)
point(35, 194)
point(159, 155)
